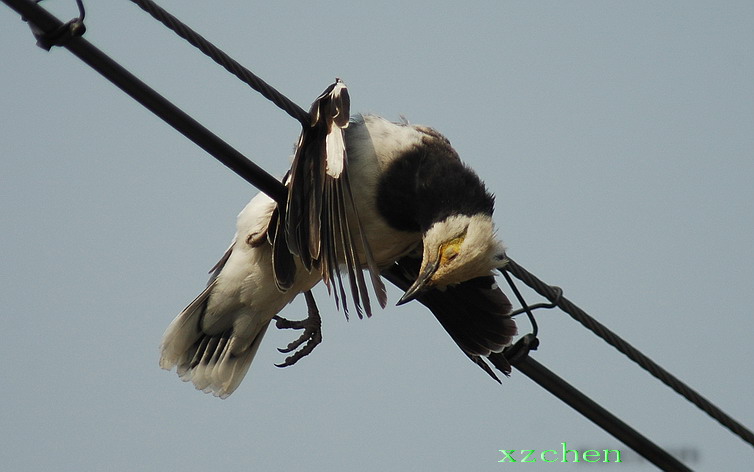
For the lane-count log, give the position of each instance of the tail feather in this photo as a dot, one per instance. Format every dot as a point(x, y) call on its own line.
point(183, 331)
point(215, 363)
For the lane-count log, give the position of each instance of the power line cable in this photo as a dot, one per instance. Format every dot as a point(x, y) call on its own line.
point(597, 414)
point(554, 294)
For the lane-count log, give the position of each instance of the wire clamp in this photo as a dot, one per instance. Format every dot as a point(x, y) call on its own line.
point(521, 348)
point(62, 35)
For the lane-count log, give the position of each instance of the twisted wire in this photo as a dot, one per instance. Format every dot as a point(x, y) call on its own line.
point(221, 58)
point(552, 294)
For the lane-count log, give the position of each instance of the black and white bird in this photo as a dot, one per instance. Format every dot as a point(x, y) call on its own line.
point(365, 195)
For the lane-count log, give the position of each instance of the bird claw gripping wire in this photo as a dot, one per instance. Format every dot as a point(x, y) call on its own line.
point(310, 338)
point(60, 36)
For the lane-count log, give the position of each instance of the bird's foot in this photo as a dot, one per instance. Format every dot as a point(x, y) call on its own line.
point(311, 336)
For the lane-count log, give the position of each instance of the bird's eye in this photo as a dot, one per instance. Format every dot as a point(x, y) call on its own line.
point(450, 254)
point(450, 250)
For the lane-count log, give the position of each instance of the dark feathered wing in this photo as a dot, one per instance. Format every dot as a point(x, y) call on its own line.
point(475, 313)
point(316, 225)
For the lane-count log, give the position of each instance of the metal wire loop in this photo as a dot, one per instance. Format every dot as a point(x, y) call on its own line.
point(537, 306)
point(520, 298)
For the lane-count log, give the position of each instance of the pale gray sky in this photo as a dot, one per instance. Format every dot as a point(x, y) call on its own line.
point(617, 136)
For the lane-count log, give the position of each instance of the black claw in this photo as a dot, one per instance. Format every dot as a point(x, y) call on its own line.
point(311, 336)
point(309, 333)
point(315, 339)
point(283, 323)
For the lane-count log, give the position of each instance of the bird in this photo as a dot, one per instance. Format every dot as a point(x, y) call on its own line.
point(365, 195)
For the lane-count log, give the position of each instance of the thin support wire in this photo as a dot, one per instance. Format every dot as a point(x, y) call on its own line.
point(230, 64)
point(520, 298)
point(552, 294)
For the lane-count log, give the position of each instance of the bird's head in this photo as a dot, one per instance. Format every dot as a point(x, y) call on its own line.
point(456, 249)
